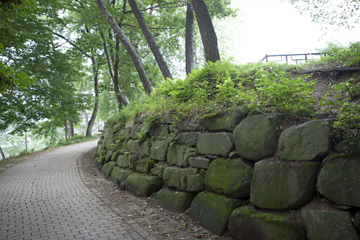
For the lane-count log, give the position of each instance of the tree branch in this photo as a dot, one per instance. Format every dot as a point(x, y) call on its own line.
point(158, 6)
point(71, 43)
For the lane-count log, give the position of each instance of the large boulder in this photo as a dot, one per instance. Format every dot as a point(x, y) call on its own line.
point(219, 144)
point(328, 224)
point(283, 185)
point(142, 185)
point(179, 155)
point(256, 137)
point(339, 180)
point(213, 211)
point(183, 179)
point(174, 200)
point(231, 177)
point(305, 142)
point(225, 121)
point(158, 150)
point(246, 223)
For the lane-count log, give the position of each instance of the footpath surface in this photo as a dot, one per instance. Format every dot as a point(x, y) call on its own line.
point(45, 198)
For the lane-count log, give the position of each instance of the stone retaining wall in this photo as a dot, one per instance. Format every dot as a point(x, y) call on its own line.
point(241, 175)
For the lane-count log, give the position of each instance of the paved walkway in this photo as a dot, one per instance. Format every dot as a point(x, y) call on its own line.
point(45, 198)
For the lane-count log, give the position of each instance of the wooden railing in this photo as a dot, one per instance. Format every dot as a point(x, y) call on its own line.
point(298, 57)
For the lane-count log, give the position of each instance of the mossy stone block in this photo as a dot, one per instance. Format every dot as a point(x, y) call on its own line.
point(143, 148)
point(183, 179)
point(122, 161)
point(159, 132)
point(144, 165)
point(132, 160)
point(132, 146)
point(212, 211)
point(107, 168)
point(283, 185)
point(219, 144)
point(192, 125)
point(246, 223)
point(108, 137)
point(108, 155)
point(142, 185)
point(199, 162)
point(231, 177)
point(188, 139)
point(305, 142)
point(225, 121)
point(256, 137)
point(328, 224)
point(119, 175)
point(177, 201)
point(179, 155)
point(158, 169)
point(339, 180)
point(159, 150)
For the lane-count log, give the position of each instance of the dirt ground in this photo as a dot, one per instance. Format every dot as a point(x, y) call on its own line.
point(161, 223)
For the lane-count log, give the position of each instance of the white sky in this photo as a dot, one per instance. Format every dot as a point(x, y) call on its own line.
point(274, 27)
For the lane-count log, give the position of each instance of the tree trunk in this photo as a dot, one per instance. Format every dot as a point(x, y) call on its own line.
point(66, 131)
point(130, 49)
point(71, 128)
point(96, 106)
point(207, 32)
point(189, 39)
point(26, 143)
point(2, 154)
point(150, 39)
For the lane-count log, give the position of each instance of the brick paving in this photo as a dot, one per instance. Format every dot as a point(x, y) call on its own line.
point(45, 198)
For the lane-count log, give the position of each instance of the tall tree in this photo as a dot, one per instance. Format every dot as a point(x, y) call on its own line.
point(95, 70)
point(151, 41)
point(207, 31)
point(189, 39)
point(129, 47)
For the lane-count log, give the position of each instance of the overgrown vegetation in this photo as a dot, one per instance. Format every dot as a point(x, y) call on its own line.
point(217, 86)
point(263, 87)
point(338, 56)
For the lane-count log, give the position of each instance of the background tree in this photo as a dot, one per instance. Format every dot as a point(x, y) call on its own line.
point(207, 31)
point(342, 13)
point(129, 47)
point(150, 39)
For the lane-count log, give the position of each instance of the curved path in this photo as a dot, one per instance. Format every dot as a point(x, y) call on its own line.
point(45, 198)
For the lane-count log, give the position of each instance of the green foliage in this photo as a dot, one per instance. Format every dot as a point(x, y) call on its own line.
point(338, 55)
